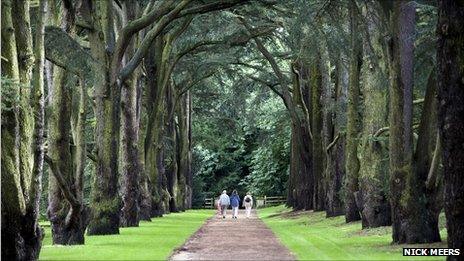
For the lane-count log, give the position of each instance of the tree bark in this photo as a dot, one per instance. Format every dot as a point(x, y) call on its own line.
point(373, 173)
point(451, 115)
point(409, 214)
point(105, 202)
point(66, 217)
point(316, 129)
point(184, 176)
point(427, 148)
point(129, 142)
point(170, 149)
point(155, 108)
point(22, 137)
point(336, 154)
point(352, 127)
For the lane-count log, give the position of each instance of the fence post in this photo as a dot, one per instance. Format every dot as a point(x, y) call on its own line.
point(264, 200)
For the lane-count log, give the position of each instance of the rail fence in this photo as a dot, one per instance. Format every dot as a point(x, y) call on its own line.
point(259, 202)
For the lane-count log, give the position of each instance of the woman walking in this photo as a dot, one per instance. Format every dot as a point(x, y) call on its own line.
point(224, 201)
point(248, 204)
point(234, 202)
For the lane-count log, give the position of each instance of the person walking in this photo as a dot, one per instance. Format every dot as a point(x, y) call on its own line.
point(224, 200)
point(234, 202)
point(248, 204)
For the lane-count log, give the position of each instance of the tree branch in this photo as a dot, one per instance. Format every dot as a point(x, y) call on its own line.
point(433, 171)
point(62, 183)
point(148, 39)
point(195, 82)
point(272, 86)
point(91, 156)
point(387, 128)
point(329, 147)
point(135, 26)
point(62, 50)
point(218, 5)
point(266, 53)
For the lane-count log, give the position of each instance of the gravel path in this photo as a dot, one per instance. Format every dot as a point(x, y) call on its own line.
point(233, 239)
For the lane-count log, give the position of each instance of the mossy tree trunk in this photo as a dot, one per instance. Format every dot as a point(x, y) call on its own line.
point(336, 149)
point(67, 215)
point(23, 35)
point(184, 174)
point(353, 121)
point(428, 174)
point(373, 174)
point(129, 136)
point(317, 131)
point(409, 215)
point(155, 109)
point(301, 171)
point(105, 202)
point(450, 59)
point(21, 184)
point(170, 147)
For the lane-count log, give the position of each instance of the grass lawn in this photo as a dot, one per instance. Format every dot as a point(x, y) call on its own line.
point(151, 241)
point(311, 236)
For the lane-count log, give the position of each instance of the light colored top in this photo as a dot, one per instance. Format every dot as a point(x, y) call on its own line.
point(224, 200)
point(247, 204)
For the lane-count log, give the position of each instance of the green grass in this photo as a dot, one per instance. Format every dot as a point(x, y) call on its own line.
point(311, 236)
point(151, 241)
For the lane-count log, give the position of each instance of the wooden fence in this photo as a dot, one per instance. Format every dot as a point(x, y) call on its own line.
point(208, 203)
point(259, 202)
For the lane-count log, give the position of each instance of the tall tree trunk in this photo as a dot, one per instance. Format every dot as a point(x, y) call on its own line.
point(373, 173)
point(170, 145)
point(35, 232)
point(336, 150)
point(21, 184)
point(301, 183)
point(353, 121)
point(409, 215)
point(328, 113)
point(184, 149)
point(155, 108)
point(105, 202)
point(428, 148)
point(130, 153)
point(67, 219)
point(23, 34)
point(145, 199)
point(316, 129)
point(450, 59)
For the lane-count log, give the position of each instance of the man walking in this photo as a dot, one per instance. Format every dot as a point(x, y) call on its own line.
point(224, 200)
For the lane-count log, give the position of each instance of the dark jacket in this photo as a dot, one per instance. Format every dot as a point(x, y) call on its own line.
point(234, 200)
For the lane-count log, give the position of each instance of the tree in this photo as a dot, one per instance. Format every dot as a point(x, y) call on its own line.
point(66, 210)
point(22, 133)
point(411, 218)
point(451, 112)
point(373, 173)
point(352, 126)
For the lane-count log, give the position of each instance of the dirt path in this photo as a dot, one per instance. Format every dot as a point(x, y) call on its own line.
point(233, 239)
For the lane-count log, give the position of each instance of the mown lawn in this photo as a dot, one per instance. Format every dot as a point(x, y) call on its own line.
point(151, 241)
point(311, 236)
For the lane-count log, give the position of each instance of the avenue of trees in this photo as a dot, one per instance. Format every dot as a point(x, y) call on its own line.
point(117, 111)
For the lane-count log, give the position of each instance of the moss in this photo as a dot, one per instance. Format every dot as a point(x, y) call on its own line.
point(107, 206)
